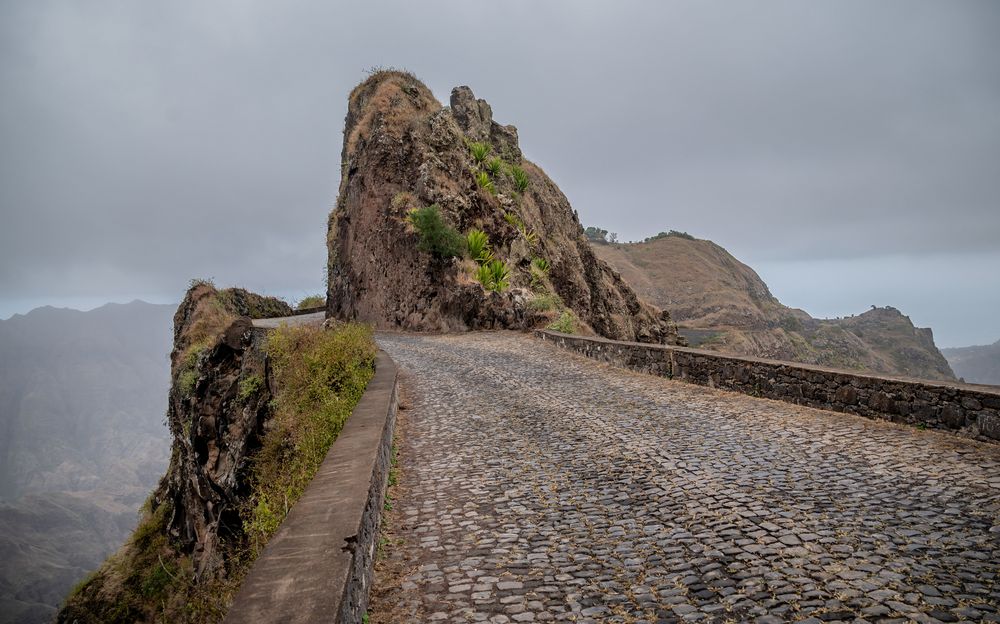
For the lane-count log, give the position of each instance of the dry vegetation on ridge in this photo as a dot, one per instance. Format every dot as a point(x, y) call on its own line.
point(251, 425)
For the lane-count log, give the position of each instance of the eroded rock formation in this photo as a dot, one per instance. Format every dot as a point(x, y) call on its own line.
point(404, 150)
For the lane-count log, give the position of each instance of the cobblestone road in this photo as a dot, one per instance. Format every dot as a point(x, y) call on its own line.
point(537, 485)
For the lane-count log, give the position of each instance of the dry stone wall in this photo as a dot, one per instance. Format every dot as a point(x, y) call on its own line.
point(969, 410)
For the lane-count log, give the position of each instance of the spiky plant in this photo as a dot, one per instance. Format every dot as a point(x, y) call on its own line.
point(485, 183)
point(513, 220)
point(500, 275)
point(494, 275)
point(479, 151)
point(479, 246)
point(540, 264)
point(520, 178)
point(493, 166)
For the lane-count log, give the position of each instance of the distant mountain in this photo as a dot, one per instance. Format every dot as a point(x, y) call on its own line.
point(719, 303)
point(82, 443)
point(979, 364)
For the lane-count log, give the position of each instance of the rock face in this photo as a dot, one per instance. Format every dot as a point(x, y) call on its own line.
point(722, 304)
point(403, 150)
point(218, 410)
point(213, 425)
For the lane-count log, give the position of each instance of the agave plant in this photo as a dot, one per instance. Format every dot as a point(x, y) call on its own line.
point(513, 219)
point(479, 151)
point(540, 264)
point(485, 183)
point(479, 246)
point(530, 236)
point(500, 275)
point(493, 166)
point(485, 276)
point(520, 178)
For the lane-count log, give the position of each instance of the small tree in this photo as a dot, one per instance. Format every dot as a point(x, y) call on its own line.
point(595, 234)
point(436, 236)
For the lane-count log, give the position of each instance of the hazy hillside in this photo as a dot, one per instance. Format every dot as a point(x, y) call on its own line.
point(82, 443)
point(979, 364)
point(722, 304)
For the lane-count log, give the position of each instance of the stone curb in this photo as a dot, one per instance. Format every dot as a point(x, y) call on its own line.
point(971, 410)
point(318, 567)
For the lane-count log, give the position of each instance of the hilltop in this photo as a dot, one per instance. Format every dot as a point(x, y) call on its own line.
point(722, 304)
point(418, 180)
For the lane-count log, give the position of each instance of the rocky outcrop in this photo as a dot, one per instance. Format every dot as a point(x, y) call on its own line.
point(404, 150)
point(218, 411)
point(722, 304)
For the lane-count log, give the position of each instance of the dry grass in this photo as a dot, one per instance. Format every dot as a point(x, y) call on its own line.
point(320, 375)
point(390, 98)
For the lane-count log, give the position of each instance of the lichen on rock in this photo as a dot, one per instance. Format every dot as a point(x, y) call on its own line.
point(404, 150)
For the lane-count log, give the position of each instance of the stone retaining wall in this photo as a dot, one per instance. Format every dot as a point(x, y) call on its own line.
point(318, 567)
point(970, 410)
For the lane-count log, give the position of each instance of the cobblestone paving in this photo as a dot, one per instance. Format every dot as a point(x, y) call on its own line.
point(539, 486)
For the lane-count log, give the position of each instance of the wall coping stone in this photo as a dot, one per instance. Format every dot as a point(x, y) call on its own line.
point(318, 567)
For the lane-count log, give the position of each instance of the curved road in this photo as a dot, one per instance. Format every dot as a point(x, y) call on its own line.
point(537, 485)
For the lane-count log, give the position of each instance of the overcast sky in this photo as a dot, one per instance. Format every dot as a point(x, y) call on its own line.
point(848, 151)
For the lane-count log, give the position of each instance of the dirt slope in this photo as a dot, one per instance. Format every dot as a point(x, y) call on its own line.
point(722, 304)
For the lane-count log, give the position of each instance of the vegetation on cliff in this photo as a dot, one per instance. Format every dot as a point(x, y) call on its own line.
point(251, 418)
point(417, 177)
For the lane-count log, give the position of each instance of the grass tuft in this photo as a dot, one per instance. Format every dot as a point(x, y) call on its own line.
point(312, 301)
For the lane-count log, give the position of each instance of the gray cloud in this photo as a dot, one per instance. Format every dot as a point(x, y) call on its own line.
point(147, 143)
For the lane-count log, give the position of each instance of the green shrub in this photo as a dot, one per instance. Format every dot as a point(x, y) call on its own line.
point(683, 235)
point(479, 151)
point(249, 386)
point(545, 302)
point(436, 237)
point(484, 182)
point(186, 381)
point(540, 264)
point(595, 234)
point(513, 220)
point(312, 301)
point(520, 178)
point(566, 323)
point(493, 166)
point(478, 244)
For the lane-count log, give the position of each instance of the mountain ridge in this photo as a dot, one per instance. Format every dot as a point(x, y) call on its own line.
point(722, 304)
point(976, 363)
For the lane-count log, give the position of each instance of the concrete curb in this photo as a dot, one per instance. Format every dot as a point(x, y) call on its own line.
point(318, 567)
point(971, 410)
